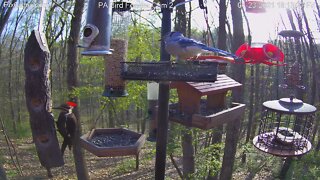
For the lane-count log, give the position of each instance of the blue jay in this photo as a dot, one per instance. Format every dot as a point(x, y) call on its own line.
point(183, 48)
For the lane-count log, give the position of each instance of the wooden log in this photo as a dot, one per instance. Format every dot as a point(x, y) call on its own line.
point(38, 99)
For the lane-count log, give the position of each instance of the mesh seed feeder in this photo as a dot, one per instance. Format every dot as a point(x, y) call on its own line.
point(97, 31)
point(114, 84)
point(285, 127)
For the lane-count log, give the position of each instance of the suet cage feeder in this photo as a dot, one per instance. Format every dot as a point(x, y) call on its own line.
point(285, 127)
point(113, 142)
point(97, 31)
point(192, 111)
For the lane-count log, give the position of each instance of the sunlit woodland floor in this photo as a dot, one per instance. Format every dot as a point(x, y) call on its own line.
point(99, 168)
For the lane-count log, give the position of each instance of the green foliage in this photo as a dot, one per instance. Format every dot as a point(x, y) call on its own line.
point(257, 161)
point(144, 43)
point(173, 96)
point(174, 142)
point(23, 130)
point(11, 173)
point(127, 165)
point(207, 159)
point(137, 95)
point(308, 167)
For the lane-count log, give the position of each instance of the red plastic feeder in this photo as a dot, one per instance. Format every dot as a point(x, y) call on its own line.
point(268, 54)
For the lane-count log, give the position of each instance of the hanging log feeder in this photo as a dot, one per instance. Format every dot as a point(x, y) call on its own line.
point(113, 142)
point(286, 127)
point(38, 99)
point(205, 114)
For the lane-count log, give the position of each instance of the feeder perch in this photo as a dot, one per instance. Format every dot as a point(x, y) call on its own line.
point(113, 142)
point(97, 32)
point(205, 114)
point(285, 127)
point(195, 71)
point(221, 60)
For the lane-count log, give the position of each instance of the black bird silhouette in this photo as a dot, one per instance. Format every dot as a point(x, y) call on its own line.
point(66, 125)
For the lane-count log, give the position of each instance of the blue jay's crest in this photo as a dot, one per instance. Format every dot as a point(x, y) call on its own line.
point(174, 34)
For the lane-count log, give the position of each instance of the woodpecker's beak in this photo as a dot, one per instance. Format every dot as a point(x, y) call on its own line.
point(64, 107)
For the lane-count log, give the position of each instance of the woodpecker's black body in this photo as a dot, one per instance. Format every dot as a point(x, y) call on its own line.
point(66, 126)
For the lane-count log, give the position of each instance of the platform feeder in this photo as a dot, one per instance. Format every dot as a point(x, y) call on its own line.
point(193, 111)
point(111, 142)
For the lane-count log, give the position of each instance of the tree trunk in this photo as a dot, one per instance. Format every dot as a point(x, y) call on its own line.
point(311, 55)
point(230, 149)
point(187, 146)
point(73, 82)
point(222, 44)
point(222, 34)
point(5, 12)
point(3, 174)
point(238, 70)
point(181, 20)
point(188, 153)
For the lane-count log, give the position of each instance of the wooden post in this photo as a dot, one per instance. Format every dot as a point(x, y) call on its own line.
point(38, 99)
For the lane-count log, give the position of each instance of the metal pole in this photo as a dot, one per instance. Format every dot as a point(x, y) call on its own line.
point(162, 130)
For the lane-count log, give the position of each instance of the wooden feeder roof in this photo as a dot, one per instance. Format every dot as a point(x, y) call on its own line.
point(222, 84)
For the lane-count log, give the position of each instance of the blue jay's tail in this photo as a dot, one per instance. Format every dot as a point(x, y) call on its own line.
point(219, 51)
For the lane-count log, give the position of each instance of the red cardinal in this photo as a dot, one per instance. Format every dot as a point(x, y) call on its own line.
point(268, 54)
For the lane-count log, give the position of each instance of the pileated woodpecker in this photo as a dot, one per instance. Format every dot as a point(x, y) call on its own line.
point(66, 125)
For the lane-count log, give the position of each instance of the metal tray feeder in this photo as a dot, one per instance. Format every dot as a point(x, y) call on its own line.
point(113, 142)
point(206, 119)
point(196, 71)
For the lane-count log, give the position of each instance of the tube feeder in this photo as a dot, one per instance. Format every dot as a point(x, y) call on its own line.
point(97, 31)
point(114, 84)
